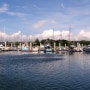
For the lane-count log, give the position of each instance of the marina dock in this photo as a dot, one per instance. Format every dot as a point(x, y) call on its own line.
point(29, 47)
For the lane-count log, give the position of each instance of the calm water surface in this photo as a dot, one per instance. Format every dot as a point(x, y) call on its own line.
point(67, 71)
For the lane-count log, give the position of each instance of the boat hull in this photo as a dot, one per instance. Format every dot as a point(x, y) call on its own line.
point(25, 49)
point(86, 49)
point(48, 50)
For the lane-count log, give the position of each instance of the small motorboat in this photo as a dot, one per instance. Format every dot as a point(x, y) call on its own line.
point(86, 48)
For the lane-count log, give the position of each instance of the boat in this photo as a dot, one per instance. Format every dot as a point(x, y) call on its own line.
point(48, 48)
point(35, 49)
point(41, 48)
point(86, 48)
point(25, 48)
point(71, 48)
point(1, 47)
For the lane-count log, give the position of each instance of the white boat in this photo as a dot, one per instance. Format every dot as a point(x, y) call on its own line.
point(41, 48)
point(25, 48)
point(48, 48)
point(1, 47)
point(35, 49)
point(87, 48)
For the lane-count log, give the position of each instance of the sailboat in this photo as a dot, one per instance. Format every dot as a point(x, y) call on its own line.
point(71, 47)
point(25, 47)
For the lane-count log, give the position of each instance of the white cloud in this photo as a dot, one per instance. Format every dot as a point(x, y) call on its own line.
point(4, 8)
point(17, 33)
point(39, 24)
point(58, 34)
point(43, 22)
point(84, 35)
point(16, 14)
point(62, 34)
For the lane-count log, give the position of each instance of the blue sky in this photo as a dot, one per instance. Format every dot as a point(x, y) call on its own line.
point(35, 16)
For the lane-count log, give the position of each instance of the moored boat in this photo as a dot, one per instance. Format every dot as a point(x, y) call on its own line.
point(35, 49)
point(1, 47)
point(48, 48)
point(87, 48)
point(25, 48)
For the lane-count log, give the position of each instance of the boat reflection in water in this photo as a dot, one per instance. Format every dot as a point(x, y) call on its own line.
point(25, 52)
point(44, 71)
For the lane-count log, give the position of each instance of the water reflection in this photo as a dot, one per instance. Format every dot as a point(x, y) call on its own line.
point(25, 52)
point(45, 71)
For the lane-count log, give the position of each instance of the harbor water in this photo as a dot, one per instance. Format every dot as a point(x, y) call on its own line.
point(44, 71)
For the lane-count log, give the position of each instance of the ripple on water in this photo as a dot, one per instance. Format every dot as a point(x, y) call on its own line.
point(45, 72)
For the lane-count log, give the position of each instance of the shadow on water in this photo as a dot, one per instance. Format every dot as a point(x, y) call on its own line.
point(27, 71)
point(30, 58)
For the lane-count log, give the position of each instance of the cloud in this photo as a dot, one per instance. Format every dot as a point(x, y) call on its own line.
point(4, 8)
point(63, 34)
point(39, 24)
point(43, 22)
point(16, 14)
point(17, 33)
point(84, 35)
point(52, 34)
point(13, 37)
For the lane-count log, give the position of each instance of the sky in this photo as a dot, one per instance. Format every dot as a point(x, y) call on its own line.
point(39, 18)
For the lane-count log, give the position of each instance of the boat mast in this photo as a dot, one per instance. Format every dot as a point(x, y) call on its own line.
point(61, 38)
point(69, 35)
point(53, 38)
point(53, 33)
point(4, 34)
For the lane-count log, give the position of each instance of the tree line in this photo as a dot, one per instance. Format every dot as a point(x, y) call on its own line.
point(51, 42)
